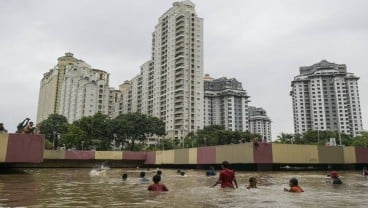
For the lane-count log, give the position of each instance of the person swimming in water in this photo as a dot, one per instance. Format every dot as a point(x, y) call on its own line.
point(252, 183)
point(335, 178)
point(294, 187)
point(142, 177)
point(157, 186)
point(211, 171)
point(365, 171)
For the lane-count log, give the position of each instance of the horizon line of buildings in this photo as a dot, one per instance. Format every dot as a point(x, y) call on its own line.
point(172, 86)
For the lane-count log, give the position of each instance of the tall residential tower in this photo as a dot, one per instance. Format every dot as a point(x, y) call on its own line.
point(326, 97)
point(225, 104)
point(170, 85)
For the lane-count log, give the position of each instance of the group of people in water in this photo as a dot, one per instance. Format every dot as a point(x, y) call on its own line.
point(227, 179)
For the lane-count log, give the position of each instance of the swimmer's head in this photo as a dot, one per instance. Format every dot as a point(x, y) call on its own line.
point(293, 182)
point(124, 176)
point(142, 174)
point(156, 178)
point(334, 174)
point(225, 164)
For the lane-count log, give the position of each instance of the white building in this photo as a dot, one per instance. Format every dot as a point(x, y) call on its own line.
point(326, 97)
point(225, 104)
point(170, 86)
point(74, 89)
point(260, 123)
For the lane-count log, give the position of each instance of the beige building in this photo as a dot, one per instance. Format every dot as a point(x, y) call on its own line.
point(74, 89)
point(50, 87)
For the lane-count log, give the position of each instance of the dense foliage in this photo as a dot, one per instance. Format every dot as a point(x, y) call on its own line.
point(128, 131)
point(322, 138)
point(132, 131)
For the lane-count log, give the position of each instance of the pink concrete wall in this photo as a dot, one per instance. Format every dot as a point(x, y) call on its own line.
point(206, 155)
point(127, 155)
point(25, 148)
point(262, 153)
point(150, 158)
point(361, 154)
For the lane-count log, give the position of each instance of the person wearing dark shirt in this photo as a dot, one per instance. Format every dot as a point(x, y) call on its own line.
point(211, 171)
point(335, 178)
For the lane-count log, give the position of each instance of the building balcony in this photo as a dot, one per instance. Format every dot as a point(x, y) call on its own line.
point(179, 52)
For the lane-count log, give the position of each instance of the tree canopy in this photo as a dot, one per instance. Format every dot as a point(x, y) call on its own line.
point(53, 125)
point(315, 137)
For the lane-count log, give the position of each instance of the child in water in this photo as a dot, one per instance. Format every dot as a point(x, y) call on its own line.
point(252, 183)
point(294, 187)
point(142, 177)
point(124, 177)
point(335, 178)
point(157, 186)
point(365, 171)
point(211, 171)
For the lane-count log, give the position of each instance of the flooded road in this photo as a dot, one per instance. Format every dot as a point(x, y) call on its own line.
point(77, 188)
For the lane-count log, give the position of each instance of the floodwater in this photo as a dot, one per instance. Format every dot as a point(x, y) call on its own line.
point(78, 188)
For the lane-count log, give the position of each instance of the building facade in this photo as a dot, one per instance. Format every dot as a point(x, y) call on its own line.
point(170, 85)
point(50, 86)
point(260, 123)
point(225, 104)
point(74, 89)
point(326, 97)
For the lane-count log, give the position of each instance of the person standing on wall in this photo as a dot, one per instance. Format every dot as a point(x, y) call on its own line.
point(2, 128)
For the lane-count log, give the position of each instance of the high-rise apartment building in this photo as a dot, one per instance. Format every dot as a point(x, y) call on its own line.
point(50, 87)
point(260, 123)
point(170, 85)
point(326, 97)
point(74, 89)
point(225, 104)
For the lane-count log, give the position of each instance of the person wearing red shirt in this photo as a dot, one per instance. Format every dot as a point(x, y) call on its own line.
point(294, 187)
point(227, 177)
point(157, 186)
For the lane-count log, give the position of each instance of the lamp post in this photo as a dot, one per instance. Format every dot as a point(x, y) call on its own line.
point(53, 140)
point(318, 136)
point(82, 145)
point(114, 142)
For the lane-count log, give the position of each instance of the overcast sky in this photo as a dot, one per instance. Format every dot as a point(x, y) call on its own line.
point(260, 43)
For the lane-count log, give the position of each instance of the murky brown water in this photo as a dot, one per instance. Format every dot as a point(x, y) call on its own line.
point(76, 188)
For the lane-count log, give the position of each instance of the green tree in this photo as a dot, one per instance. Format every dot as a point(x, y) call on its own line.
point(98, 130)
point(321, 137)
point(75, 137)
point(361, 140)
point(217, 135)
point(284, 138)
point(52, 125)
point(133, 129)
